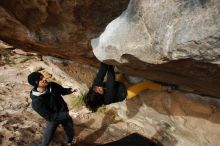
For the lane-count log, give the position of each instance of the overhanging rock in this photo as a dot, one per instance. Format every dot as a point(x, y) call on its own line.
point(171, 41)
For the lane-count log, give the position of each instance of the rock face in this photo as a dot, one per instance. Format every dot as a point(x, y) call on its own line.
point(173, 119)
point(56, 27)
point(160, 32)
point(168, 41)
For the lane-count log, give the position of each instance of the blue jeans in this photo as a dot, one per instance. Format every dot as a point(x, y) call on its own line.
point(51, 128)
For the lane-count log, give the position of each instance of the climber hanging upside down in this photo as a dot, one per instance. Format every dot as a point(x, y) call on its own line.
point(111, 91)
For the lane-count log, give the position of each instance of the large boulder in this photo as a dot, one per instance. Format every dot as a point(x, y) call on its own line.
point(170, 41)
point(160, 31)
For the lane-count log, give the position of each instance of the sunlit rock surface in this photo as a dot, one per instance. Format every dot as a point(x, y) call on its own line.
point(175, 119)
point(181, 38)
point(160, 31)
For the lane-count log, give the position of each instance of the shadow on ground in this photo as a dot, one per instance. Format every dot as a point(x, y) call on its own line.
point(130, 140)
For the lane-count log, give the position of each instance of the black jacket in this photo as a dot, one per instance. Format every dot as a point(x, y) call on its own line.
point(50, 104)
point(114, 91)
